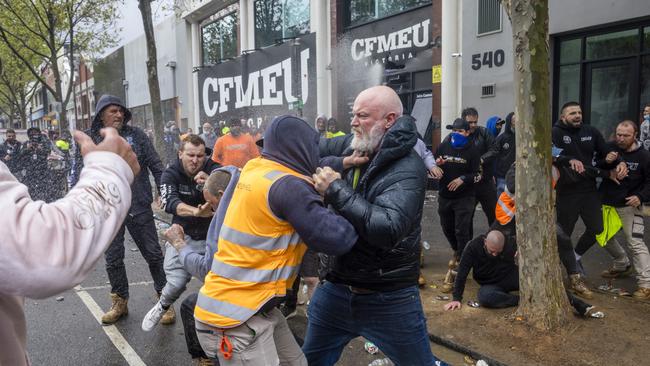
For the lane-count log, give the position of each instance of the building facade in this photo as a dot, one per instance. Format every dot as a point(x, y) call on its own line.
point(600, 57)
point(255, 59)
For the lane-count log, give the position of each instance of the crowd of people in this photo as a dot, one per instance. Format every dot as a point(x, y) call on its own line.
point(42, 162)
point(244, 202)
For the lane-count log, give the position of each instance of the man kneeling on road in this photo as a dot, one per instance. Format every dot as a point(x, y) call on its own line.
point(182, 196)
point(493, 263)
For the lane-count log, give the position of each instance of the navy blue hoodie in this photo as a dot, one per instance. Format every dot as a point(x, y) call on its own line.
point(147, 156)
point(293, 143)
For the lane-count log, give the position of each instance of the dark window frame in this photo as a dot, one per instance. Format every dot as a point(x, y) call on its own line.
point(639, 24)
point(347, 16)
point(207, 22)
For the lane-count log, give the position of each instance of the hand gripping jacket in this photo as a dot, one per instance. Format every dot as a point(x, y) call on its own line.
point(259, 254)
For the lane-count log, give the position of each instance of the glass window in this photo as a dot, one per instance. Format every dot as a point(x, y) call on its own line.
point(277, 19)
point(570, 51)
point(362, 11)
point(646, 38)
point(569, 84)
point(489, 16)
point(219, 39)
point(644, 90)
point(612, 44)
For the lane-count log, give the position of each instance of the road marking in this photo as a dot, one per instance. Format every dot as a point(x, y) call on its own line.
point(79, 288)
point(111, 331)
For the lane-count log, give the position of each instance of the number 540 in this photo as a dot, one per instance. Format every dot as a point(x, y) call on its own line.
point(489, 59)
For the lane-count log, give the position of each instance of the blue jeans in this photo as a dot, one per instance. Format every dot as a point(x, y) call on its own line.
point(394, 321)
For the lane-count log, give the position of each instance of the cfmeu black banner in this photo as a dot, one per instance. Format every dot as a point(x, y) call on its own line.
point(385, 51)
point(258, 86)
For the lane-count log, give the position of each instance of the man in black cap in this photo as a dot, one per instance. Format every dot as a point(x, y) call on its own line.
point(111, 112)
point(460, 161)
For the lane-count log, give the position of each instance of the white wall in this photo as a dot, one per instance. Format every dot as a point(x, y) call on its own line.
point(503, 101)
point(171, 44)
point(576, 14)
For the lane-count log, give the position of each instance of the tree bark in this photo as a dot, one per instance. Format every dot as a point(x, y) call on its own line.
point(152, 76)
point(543, 302)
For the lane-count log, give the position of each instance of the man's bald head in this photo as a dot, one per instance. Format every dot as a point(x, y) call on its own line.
point(494, 242)
point(384, 98)
point(375, 110)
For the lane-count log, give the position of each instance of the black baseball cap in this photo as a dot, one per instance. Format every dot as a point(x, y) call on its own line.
point(459, 124)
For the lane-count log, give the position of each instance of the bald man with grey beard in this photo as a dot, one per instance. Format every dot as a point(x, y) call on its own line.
point(372, 291)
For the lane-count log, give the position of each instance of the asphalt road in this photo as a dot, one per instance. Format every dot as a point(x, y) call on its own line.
point(65, 331)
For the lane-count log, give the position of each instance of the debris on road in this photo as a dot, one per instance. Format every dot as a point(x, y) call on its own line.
point(60, 298)
point(370, 348)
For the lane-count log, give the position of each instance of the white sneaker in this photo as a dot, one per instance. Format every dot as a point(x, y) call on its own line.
point(153, 317)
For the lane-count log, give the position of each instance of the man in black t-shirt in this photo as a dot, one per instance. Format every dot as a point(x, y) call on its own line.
point(626, 197)
point(181, 193)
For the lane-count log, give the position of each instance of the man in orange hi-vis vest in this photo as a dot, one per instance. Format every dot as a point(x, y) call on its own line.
point(265, 232)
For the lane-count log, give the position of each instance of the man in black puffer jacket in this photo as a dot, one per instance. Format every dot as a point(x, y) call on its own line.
point(504, 151)
point(372, 290)
point(111, 112)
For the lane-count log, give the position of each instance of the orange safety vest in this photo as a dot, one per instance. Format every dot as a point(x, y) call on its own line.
point(258, 254)
point(505, 210)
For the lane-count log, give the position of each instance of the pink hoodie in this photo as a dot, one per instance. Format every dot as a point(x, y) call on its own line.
point(48, 248)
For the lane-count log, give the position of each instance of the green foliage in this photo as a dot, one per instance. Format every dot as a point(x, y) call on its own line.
point(48, 34)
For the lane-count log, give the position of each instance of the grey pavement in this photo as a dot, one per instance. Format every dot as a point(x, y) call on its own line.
point(66, 333)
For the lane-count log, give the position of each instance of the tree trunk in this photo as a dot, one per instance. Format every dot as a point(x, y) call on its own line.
point(152, 74)
point(543, 302)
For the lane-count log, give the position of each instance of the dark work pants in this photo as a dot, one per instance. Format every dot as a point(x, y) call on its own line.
point(456, 220)
point(291, 299)
point(498, 295)
point(565, 250)
point(486, 195)
point(143, 230)
point(191, 339)
point(585, 205)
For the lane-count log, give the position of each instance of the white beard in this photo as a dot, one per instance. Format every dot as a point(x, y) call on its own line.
point(368, 143)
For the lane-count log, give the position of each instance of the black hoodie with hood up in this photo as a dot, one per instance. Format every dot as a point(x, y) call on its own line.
point(503, 149)
point(293, 143)
point(385, 208)
point(147, 156)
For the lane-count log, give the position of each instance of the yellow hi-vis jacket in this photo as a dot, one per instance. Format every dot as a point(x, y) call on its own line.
point(258, 254)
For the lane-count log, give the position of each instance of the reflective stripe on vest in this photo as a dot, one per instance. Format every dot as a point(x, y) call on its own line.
point(505, 209)
point(259, 254)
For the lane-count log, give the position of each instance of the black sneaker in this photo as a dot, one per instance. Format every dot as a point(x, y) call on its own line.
point(288, 312)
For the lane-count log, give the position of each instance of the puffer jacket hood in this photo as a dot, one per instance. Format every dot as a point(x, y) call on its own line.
point(105, 101)
point(292, 142)
point(385, 208)
point(491, 125)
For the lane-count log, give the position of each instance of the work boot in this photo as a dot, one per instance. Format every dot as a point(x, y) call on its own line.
point(202, 361)
point(617, 273)
point(579, 287)
point(169, 317)
point(642, 293)
point(421, 281)
point(118, 309)
point(450, 276)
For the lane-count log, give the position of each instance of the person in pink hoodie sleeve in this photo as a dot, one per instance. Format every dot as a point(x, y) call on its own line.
point(72, 234)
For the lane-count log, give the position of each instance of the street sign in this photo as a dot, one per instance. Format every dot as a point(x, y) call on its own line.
point(436, 74)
